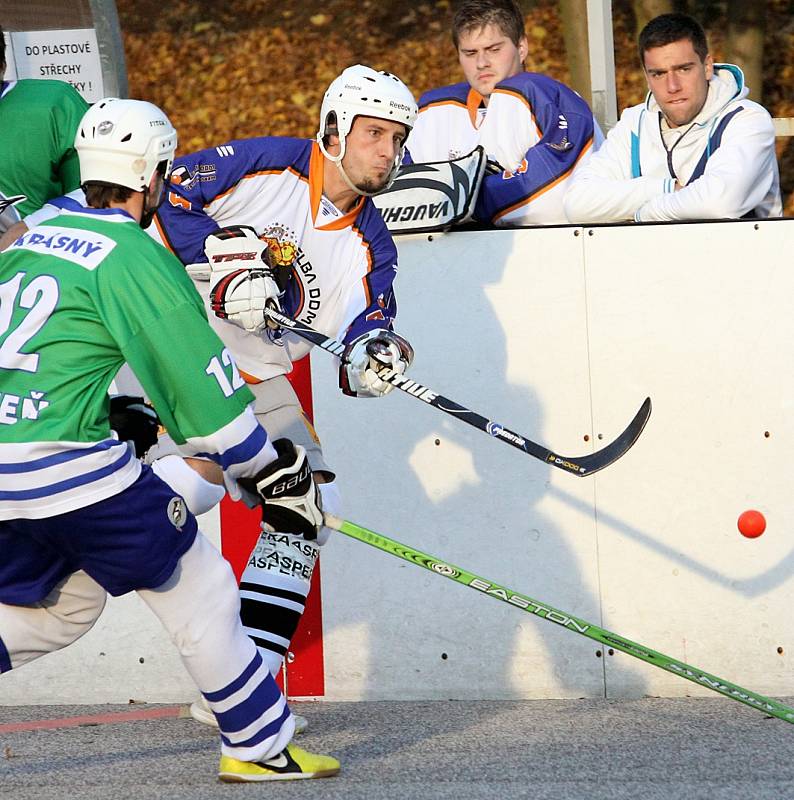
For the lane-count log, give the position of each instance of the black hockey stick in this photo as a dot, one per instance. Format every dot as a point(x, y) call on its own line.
point(576, 465)
point(563, 619)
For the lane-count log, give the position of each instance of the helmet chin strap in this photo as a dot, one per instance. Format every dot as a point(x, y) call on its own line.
point(352, 186)
point(147, 214)
point(337, 159)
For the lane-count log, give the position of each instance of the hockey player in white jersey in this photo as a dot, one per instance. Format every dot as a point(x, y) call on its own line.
point(303, 206)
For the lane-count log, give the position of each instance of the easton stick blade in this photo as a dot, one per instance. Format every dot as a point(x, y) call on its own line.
point(580, 466)
point(549, 613)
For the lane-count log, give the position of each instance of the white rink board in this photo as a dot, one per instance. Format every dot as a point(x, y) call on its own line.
point(498, 325)
point(709, 334)
point(498, 322)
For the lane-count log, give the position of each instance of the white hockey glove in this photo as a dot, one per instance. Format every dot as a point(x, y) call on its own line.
point(290, 498)
point(242, 284)
point(433, 195)
point(368, 354)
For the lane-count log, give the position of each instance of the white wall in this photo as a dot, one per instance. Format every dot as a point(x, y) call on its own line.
point(559, 334)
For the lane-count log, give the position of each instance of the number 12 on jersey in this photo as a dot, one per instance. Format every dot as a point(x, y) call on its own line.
point(40, 296)
point(216, 369)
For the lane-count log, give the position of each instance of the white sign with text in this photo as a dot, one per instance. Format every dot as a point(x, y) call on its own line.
point(70, 55)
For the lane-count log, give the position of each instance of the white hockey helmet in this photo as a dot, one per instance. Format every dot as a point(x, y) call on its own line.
point(363, 91)
point(122, 142)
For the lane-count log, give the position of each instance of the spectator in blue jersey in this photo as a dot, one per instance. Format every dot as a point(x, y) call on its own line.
point(304, 207)
point(38, 121)
point(535, 131)
point(697, 148)
point(80, 515)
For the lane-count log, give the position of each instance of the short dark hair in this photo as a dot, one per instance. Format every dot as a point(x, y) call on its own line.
point(475, 14)
point(668, 28)
point(101, 195)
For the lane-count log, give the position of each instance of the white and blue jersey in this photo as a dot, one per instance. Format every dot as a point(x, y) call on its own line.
point(537, 129)
point(343, 265)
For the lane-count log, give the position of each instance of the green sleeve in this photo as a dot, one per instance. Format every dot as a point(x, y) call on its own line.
point(67, 115)
point(171, 357)
point(156, 316)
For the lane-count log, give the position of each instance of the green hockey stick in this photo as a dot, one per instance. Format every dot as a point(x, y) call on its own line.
point(571, 623)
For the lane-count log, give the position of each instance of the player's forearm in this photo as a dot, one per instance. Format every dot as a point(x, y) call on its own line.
point(373, 318)
point(241, 447)
point(721, 193)
point(737, 178)
point(593, 199)
point(12, 234)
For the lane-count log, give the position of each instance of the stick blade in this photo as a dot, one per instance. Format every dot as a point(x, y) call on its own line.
point(587, 465)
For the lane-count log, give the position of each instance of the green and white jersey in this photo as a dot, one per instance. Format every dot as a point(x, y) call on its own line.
point(80, 295)
point(38, 123)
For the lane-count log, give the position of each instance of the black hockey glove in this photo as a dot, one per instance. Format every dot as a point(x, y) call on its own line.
point(493, 167)
point(134, 420)
point(290, 498)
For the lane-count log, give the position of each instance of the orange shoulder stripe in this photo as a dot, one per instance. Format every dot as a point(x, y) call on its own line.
point(547, 187)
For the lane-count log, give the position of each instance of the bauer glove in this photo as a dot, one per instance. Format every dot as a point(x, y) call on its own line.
point(290, 498)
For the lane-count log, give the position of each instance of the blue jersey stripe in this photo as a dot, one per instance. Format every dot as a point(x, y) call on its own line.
point(71, 483)
point(58, 458)
point(240, 453)
point(245, 713)
point(269, 730)
point(237, 683)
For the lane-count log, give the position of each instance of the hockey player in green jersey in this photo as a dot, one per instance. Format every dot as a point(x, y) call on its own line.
point(79, 514)
point(38, 121)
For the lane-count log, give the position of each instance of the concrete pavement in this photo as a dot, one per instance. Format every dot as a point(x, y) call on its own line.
point(651, 748)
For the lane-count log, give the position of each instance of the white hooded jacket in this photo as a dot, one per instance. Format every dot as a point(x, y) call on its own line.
point(724, 159)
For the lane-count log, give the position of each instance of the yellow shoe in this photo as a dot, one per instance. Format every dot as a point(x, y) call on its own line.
point(290, 764)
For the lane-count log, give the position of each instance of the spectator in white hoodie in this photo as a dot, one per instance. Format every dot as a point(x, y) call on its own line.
point(697, 148)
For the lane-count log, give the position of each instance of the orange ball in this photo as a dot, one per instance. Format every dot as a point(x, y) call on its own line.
point(751, 524)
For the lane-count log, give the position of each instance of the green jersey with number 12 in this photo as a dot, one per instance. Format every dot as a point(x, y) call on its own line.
point(79, 296)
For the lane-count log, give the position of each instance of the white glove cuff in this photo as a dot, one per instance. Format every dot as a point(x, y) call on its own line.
point(332, 504)
point(199, 495)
